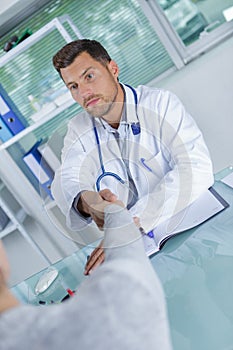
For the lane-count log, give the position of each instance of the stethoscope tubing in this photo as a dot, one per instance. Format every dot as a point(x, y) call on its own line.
point(136, 130)
point(105, 173)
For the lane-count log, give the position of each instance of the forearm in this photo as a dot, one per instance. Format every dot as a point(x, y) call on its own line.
point(120, 229)
point(81, 206)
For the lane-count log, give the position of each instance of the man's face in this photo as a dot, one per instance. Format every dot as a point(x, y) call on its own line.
point(92, 85)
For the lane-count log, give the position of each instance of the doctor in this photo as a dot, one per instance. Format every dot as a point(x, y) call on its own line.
point(136, 145)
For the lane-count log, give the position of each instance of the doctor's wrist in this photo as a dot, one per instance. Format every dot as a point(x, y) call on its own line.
point(82, 207)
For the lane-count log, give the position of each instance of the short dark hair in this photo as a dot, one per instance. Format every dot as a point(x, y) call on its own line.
point(65, 56)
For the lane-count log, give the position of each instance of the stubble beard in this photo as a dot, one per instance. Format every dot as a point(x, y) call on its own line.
point(106, 105)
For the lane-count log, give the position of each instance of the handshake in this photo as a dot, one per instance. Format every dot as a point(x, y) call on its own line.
point(92, 204)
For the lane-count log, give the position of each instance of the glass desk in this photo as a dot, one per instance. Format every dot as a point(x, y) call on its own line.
point(70, 276)
point(196, 271)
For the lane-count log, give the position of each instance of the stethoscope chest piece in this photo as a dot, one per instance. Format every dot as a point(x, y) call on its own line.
point(136, 128)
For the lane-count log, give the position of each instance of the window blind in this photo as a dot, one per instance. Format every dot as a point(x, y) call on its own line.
point(120, 26)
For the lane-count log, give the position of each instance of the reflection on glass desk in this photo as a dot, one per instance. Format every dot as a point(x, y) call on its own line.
point(196, 271)
point(70, 275)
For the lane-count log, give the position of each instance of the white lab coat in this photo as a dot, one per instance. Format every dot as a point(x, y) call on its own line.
point(176, 169)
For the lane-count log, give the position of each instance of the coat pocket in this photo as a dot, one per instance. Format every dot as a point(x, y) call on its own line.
point(156, 165)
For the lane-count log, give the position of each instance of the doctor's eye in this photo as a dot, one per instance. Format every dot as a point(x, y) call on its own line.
point(89, 76)
point(73, 87)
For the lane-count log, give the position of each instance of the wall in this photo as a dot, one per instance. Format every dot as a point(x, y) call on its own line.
point(205, 86)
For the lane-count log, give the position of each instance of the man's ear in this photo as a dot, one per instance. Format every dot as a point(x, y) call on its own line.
point(114, 69)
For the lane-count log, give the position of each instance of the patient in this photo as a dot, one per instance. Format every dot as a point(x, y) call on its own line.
point(119, 306)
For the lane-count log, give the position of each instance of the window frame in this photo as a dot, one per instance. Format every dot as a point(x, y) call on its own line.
point(179, 53)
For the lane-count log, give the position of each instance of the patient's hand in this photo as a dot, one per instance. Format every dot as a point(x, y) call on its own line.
point(97, 256)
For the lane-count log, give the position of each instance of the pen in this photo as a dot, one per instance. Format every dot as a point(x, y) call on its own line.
point(70, 292)
point(143, 232)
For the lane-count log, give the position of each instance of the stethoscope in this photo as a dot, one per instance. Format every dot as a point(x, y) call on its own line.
point(136, 129)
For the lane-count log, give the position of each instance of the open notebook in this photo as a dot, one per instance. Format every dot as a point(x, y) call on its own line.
point(206, 206)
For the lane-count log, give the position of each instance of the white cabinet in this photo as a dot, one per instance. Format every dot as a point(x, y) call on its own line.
point(28, 212)
point(18, 220)
point(14, 213)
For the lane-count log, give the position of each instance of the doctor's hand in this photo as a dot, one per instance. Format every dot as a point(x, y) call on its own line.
point(89, 202)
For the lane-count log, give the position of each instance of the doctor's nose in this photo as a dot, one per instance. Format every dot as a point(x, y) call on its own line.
point(85, 92)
